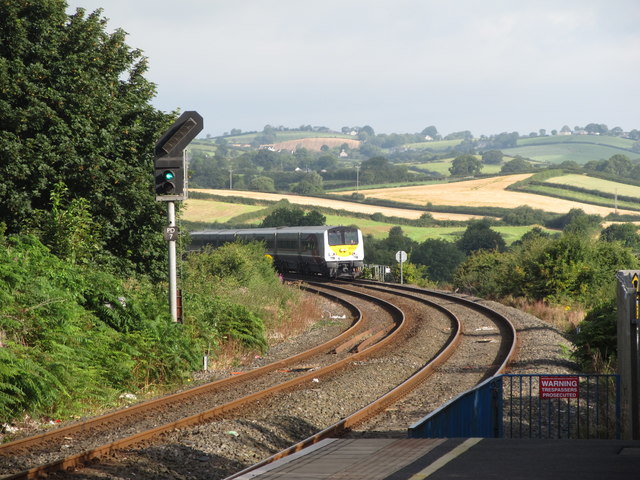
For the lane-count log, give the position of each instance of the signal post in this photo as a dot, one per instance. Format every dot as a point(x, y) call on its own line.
point(170, 165)
point(628, 331)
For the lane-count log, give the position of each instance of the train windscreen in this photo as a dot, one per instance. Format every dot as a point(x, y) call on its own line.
point(343, 237)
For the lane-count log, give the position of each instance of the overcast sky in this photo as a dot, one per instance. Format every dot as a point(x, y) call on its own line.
point(488, 66)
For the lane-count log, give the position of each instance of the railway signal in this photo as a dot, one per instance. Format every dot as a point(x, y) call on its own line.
point(170, 166)
point(170, 162)
point(170, 178)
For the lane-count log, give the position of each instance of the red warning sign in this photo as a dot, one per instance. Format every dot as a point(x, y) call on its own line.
point(559, 387)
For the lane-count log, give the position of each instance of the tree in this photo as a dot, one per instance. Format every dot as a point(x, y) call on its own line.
point(440, 257)
point(310, 184)
point(518, 164)
point(293, 216)
point(75, 108)
point(431, 131)
point(492, 157)
point(619, 165)
point(626, 233)
point(524, 215)
point(465, 165)
point(480, 236)
point(262, 184)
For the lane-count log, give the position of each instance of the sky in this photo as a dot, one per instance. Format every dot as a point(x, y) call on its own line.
point(398, 66)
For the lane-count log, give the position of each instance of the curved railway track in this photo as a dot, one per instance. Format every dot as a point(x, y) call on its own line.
point(379, 329)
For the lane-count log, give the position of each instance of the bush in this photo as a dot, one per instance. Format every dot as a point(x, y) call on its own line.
point(596, 338)
point(74, 337)
point(234, 293)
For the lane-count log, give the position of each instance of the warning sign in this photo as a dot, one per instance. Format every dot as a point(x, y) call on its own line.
point(559, 387)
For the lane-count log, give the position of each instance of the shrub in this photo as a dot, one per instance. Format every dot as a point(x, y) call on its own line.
point(596, 338)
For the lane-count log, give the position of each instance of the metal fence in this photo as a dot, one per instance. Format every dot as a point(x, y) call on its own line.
point(530, 406)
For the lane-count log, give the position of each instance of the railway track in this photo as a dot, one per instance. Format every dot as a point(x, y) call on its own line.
point(381, 338)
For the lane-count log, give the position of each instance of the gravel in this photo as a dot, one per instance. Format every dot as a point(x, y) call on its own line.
point(218, 449)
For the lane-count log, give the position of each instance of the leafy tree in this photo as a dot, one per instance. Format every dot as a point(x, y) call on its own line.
point(598, 128)
point(576, 216)
point(596, 339)
point(75, 108)
point(516, 165)
point(465, 165)
point(311, 183)
point(584, 224)
point(525, 215)
point(463, 135)
point(485, 273)
point(532, 235)
point(383, 251)
point(397, 240)
point(262, 184)
point(365, 132)
point(68, 230)
point(564, 270)
point(431, 131)
point(440, 257)
point(619, 165)
point(569, 164)
point(504, 140)
point(492, 157)
point(626, 233)
point(480, 236)
point(411, 273)
point(293, 216)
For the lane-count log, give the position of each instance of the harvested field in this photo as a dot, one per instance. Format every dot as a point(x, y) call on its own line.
point(337, 204)
point(488, 192)
point(315, 144)
point(197, 210)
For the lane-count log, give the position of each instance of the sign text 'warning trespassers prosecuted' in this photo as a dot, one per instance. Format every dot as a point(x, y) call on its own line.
point(559, 387)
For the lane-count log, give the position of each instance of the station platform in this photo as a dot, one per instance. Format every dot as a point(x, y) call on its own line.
point(472, 458)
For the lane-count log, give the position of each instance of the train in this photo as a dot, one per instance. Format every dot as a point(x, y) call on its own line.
point(328, 251)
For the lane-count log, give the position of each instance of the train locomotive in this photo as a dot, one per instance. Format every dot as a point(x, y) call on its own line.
point(331, 251)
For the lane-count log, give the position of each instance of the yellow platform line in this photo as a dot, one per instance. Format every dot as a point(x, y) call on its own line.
point(443, 460)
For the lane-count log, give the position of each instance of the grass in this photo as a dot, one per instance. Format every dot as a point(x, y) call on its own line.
point(579, 153)
point(199, 210)
point(592, 183)
point(442, 167)
point(209, 211)
point(617, 142)
point(577, 148)
point(438, 146)
point(420, 234)
point(581, 197)
point(286, 136)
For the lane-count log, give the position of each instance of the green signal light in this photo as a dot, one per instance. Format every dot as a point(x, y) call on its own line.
point(168, 175)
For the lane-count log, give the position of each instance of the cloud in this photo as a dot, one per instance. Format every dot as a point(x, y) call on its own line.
point(398, 65)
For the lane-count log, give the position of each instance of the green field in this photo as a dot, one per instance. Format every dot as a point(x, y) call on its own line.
point(442, 167)
point(439, 146)
point(581, 197)
point(591, 183)
point(211, 211)
point(578, 148)
point(287, 135)
point(610, 141)
point(420, 234)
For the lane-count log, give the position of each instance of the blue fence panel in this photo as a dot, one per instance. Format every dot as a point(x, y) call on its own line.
point(530, 406)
